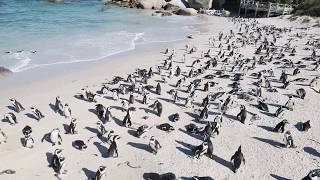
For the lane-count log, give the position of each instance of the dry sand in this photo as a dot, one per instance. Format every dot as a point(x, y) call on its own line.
point(263, 159)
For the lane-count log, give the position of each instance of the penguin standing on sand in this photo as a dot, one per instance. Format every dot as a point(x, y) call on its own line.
point(159, 108)
point(204, 113)
point(154, 145)
point(58, 107)
point(280, 126)
point(301, 93)
point(127, 119)
point(27, 140)
point(200, 150)
point(279, 111)
point(115, 95)
point(113, 150)
point(18, 107)
point(72, 127)
point(55, 159)
point(243, 114)
point(100, 109)
point(100, 173)
point(290, 104)
point(37, 113)
point(11, 118)
point(3, 137)
point(101, 129)
point(55, 137)
point(288, 140)
point(131, 98)
point(60, 165)
point(107, 115)
point(306, 126)
point(141, 129)
point(158, 89)
point(145, 98)
point(66, 111)
point(237, 159)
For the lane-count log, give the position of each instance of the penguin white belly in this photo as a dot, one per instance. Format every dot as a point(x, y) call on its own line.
point(54, 136)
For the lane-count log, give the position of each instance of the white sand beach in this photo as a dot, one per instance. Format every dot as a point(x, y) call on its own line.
point(265, 156)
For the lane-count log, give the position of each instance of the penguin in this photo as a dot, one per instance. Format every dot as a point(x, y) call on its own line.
point(237, 159)
point(166, 127)
point(72, 127)
point(280, 126)
point(115, 95)
point(313, 175)
point(301, 93)
point(200, 150)
point(192, 128)
point(145, 98)
point(11, 118)
point(127, 119)
point(288, 140)
point(178, 71)
point(205, 101)
point(290, 104)
point(55, 159)
point(18, 107)
point(210, 148)
point(66, 111)
point(101, 129)
point(204, 113)
point(206, 87)
point(27, 141)
point(175, 117)
point(202, 178)
point(3, 137)
point(100, 110)
point(159, 108)
point(107, 115)
point(279, 111)
point(158, 89)
point(156, 176)
point(306, 126)
point(141, 129)
point(113, 150)
point(243, 114)
point(60, 165)
point(154, 145)
point(131, 98)
point(37, 113)
point(100, 173)
point(79, 144)
point(58, 107)
point(55, 137)
point(263, 106)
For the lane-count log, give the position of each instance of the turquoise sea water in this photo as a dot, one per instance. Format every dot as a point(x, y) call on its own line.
point(35, 33)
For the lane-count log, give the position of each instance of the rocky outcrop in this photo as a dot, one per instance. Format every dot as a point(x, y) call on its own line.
point(56, 1)
point(162, 13)
point(200, 4)
point(4, 72)
point(150, 4)
point(187, 12)
point(179, 3)
point(171, 7)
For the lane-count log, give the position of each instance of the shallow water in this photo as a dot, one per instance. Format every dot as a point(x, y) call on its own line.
point(36, 33)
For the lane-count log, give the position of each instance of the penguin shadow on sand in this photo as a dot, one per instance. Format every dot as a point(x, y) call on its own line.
point(65, 128)
point(92, 111)
point(312, 151)
point(5, 121)
point(102, 149)
point(223, 162)
point(193, 115)
point(93, 130)
point(299, 126)
point(117, 121)
point(12, 108)
point(53, 107)
point(186, 149)
point(278, 177)
point(267, 128)
point(270, 141)
point(132, 132)
point(49, 156)
point(31, 116)
point(90, 174)
point(46, 137)
point(191, 134)
point(141, 146)
point(146, 110)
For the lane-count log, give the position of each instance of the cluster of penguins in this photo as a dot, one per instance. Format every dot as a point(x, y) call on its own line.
point(223, 60)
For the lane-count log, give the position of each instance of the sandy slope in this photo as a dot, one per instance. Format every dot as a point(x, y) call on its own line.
point(263, 159)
